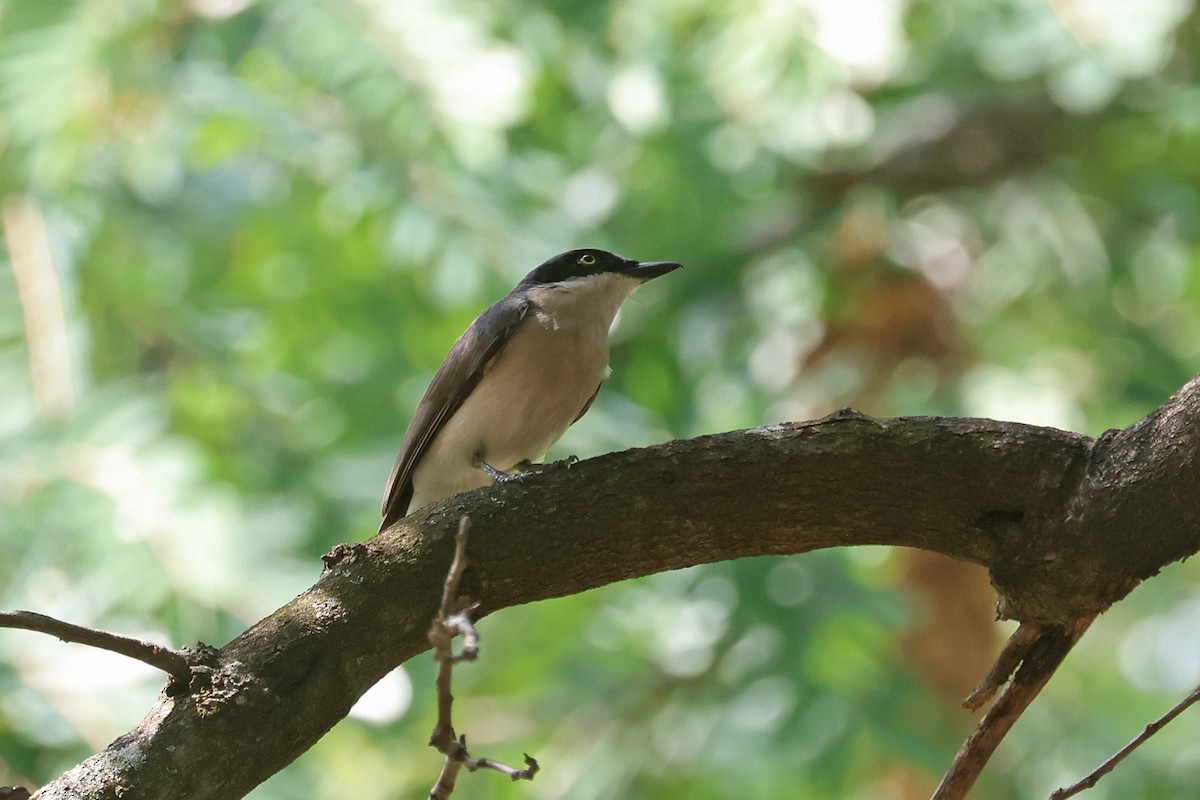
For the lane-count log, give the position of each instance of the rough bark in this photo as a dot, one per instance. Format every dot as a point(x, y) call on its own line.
point(1066, 524)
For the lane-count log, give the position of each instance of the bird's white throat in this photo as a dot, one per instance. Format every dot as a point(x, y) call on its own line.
point(592, 300)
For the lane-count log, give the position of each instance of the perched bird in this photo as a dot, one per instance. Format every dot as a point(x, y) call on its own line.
point(526, 369)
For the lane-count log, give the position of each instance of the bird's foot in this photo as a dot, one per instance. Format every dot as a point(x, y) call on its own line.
point(533, 466)
point(501, 477)
point(524, 469)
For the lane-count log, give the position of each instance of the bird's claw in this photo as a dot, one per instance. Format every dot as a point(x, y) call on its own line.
point(495, 474)
point(526, 468)
point(504, 477)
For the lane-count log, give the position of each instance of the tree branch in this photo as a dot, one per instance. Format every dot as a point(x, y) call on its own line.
point(173, 662)
point(1039, 661)
point(1154, 727)
point(1066, 524)
point(446, 625)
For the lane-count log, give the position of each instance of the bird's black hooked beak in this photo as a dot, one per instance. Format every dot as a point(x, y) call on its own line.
point(647, 270)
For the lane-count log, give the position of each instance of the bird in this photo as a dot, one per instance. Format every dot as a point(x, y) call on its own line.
point(523, 372)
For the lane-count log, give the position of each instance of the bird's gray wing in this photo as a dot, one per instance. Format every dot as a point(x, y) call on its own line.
point(469, 358)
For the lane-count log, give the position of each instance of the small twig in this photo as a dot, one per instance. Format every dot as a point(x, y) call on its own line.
point(173, 662)
point(1015, 650)
point(531, 768)
point(1039, 661)
point(1154, 727)
point(454, 575)
point(447, 625)
point(460, 625)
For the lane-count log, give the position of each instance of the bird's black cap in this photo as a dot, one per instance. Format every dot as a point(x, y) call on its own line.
point(589, 261)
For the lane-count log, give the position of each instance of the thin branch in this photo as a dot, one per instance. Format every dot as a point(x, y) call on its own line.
point(447, 778)
point(1039, 662)
point(454, 575)
point(173, 662)
point(1119, 756)
point(461, 625)
point(531, 768)
point(446, 626)
point(1015, 650)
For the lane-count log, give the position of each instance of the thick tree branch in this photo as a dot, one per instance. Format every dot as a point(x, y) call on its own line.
point(1066, 524)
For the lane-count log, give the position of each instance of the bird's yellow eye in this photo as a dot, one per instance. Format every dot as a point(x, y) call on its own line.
point(587, 259)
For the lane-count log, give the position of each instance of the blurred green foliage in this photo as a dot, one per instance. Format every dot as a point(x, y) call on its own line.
point(241, 234)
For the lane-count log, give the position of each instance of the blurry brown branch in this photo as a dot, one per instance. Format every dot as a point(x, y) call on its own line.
point(38, 289)
point(970, 147)
point(173, 662)
point(1066, 525)
point(446, 625)
point(1154, 727)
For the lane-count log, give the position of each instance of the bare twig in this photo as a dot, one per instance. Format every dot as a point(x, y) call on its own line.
point(447, 625)
point(454, 576)
point(1039, 660)
point(1154, 727)
point(460, 624)
point(173, 662)
point(1006, 664)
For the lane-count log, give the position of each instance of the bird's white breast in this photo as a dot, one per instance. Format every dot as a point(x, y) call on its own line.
point(533, 390)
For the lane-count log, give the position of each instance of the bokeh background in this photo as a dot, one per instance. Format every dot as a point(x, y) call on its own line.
point(240, 235)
